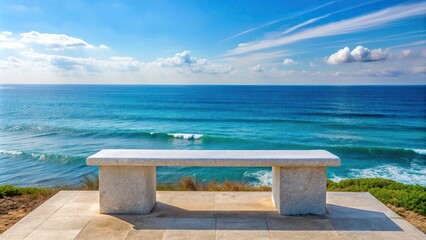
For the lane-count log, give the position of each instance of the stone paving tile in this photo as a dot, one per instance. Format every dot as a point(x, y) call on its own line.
point(145, 234)
point(378, 235)
point(64, 223)
point(335, 211)
point(53, 234)
point(107, 227)
point(243, 235)
point(167, 210)
point(148, 228)
point(189, 235)
point(260, 201)
point(203, 201)
point(299, 224)
point(358, 200)
point(53, 204)
point(372, 224)
point(165, 196)
point(241, 228)
point(78, 209)
point(23, 228)
point(242, 204)
point(110, 222)
point(190, 228)
point(105, 234)
point(86, 197)
point(305, 235)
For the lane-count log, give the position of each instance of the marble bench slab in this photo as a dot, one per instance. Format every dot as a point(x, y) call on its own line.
point(255, 158)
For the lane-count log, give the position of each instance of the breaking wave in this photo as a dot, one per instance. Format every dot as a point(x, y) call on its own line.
point(62, 158)
point(186, 136)
point(259, 178)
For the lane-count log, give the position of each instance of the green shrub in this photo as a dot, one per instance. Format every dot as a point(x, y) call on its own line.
point(10, 191)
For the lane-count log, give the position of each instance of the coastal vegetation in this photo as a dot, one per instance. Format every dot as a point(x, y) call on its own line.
point(407, 200)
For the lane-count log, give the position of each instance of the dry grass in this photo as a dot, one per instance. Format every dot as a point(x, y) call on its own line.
point(190, 184)
point(185, 184)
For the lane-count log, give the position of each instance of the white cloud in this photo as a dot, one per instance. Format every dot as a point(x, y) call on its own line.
point(3, 37)
point(312, 64)
point(352, 25)
point(88, 64)
point(289, 61)
point(258, 68)
point(48, 40)
point(409, 54)
point(358, 54)
point(419, 70)
point(54, 41)
point(181, 62)
point(9, 43)
point(186, 61)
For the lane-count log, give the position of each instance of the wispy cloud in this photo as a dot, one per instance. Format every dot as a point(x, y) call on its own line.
point(303, 24)
point(389, 38)
point(356, 24)
point(416, 43)
point(276, 21)
point(256, 58)
point(54, 41)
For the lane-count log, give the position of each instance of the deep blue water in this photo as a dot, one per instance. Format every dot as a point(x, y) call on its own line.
point(47, 131)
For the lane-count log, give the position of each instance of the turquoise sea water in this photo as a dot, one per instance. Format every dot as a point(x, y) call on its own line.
point(47, 131)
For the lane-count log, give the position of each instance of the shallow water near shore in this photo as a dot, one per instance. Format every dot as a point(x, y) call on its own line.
point(47, 131)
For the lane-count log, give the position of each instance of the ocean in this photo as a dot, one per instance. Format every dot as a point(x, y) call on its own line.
point(47, 131)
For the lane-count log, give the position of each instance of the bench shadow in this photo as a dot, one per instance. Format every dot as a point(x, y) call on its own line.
point(340, 218)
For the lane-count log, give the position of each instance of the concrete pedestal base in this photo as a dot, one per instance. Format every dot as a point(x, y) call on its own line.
point(127, 189)
point(299, 190)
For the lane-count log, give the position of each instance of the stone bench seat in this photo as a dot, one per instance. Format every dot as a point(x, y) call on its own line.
point(127, 178)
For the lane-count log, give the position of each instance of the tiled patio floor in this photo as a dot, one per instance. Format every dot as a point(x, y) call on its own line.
point(212, 215)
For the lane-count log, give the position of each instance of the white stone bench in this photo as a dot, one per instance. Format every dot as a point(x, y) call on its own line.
point(127, 181)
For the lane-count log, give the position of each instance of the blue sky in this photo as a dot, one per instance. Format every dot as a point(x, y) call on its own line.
point(213, 42)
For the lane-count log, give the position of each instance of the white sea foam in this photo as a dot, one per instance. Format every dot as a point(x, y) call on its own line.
point(420, 151)
point(336, 178)
point(414, 174)
point(10, 152)
point(186, 136)
point(38, 156)
point(263, 178)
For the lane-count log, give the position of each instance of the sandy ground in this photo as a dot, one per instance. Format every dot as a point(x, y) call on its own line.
point(415, 219)
point(12, 209)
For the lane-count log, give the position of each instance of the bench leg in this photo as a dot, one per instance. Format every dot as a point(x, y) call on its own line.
point(127, 190)
point(299, 190)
